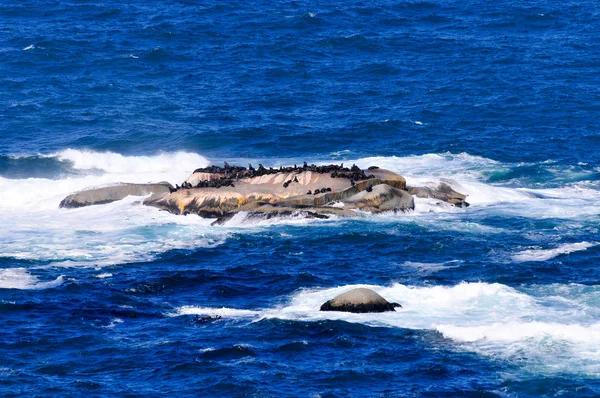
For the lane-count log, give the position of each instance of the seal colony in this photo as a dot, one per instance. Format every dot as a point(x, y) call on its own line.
point(305, 191)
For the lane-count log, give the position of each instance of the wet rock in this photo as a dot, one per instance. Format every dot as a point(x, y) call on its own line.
point(380, 198)
point(284, 190)
point(98, 196)
point(443, 192)
point(308, 191)
point(359, 300)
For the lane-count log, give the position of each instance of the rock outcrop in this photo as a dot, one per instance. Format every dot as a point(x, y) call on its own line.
point(303, 191)
point(315, 191)
point(359, 300)
point(443, 192)
point(98, 196)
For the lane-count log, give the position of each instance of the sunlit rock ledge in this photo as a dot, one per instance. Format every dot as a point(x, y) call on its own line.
point(306, 191)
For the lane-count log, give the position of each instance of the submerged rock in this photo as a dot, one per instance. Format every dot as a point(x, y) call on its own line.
point(359, 300)
point(98, 196)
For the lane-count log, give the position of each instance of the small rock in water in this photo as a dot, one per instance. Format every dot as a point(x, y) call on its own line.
point(359, 300)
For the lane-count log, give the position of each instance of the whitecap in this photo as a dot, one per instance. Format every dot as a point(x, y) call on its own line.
point(428, 268)
point(116, 163)
point(547, 254)
point(19, 278)
point(114, 322)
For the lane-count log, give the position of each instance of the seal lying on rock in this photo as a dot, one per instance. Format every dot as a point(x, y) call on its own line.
point(359, 300)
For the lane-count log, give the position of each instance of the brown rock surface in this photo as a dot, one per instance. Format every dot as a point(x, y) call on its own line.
point(443, 192)
point(249, 194)
point(305, 191)
point(359, 300)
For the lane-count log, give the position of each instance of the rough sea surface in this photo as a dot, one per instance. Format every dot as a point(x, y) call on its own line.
point(500, 99)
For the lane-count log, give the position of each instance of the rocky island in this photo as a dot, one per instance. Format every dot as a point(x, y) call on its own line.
point(308, 191)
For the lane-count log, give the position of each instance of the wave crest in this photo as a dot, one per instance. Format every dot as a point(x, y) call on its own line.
point(19, 278)
point(111, 162)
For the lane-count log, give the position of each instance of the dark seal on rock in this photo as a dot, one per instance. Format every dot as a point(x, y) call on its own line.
point(359, 300)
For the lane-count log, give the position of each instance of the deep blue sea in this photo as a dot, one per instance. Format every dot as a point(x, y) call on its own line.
point(500, 99)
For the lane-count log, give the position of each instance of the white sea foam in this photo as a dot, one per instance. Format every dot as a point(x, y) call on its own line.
point(33, 194)
point(224, 312)
point(543, 255)
point(466, 174)
point(120, 232)
point(116, 233)
point(30, 47)
point(433, 165)
point(549, 329)
point(19, 278)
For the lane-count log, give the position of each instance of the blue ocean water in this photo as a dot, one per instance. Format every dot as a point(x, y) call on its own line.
point(499, 99)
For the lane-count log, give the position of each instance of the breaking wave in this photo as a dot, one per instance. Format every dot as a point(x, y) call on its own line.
point(19, 278)
point(548, 329)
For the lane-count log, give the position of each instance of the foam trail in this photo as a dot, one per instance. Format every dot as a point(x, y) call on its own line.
point(224, 312)
point(19, 278)
point(515, 331)
point(543, 255)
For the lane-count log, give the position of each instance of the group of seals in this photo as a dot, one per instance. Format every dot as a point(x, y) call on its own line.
point(353, 174)
point(222, 182)
point(318, 191)
point(231, 173)
point(288, 182)
point(337, 171)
